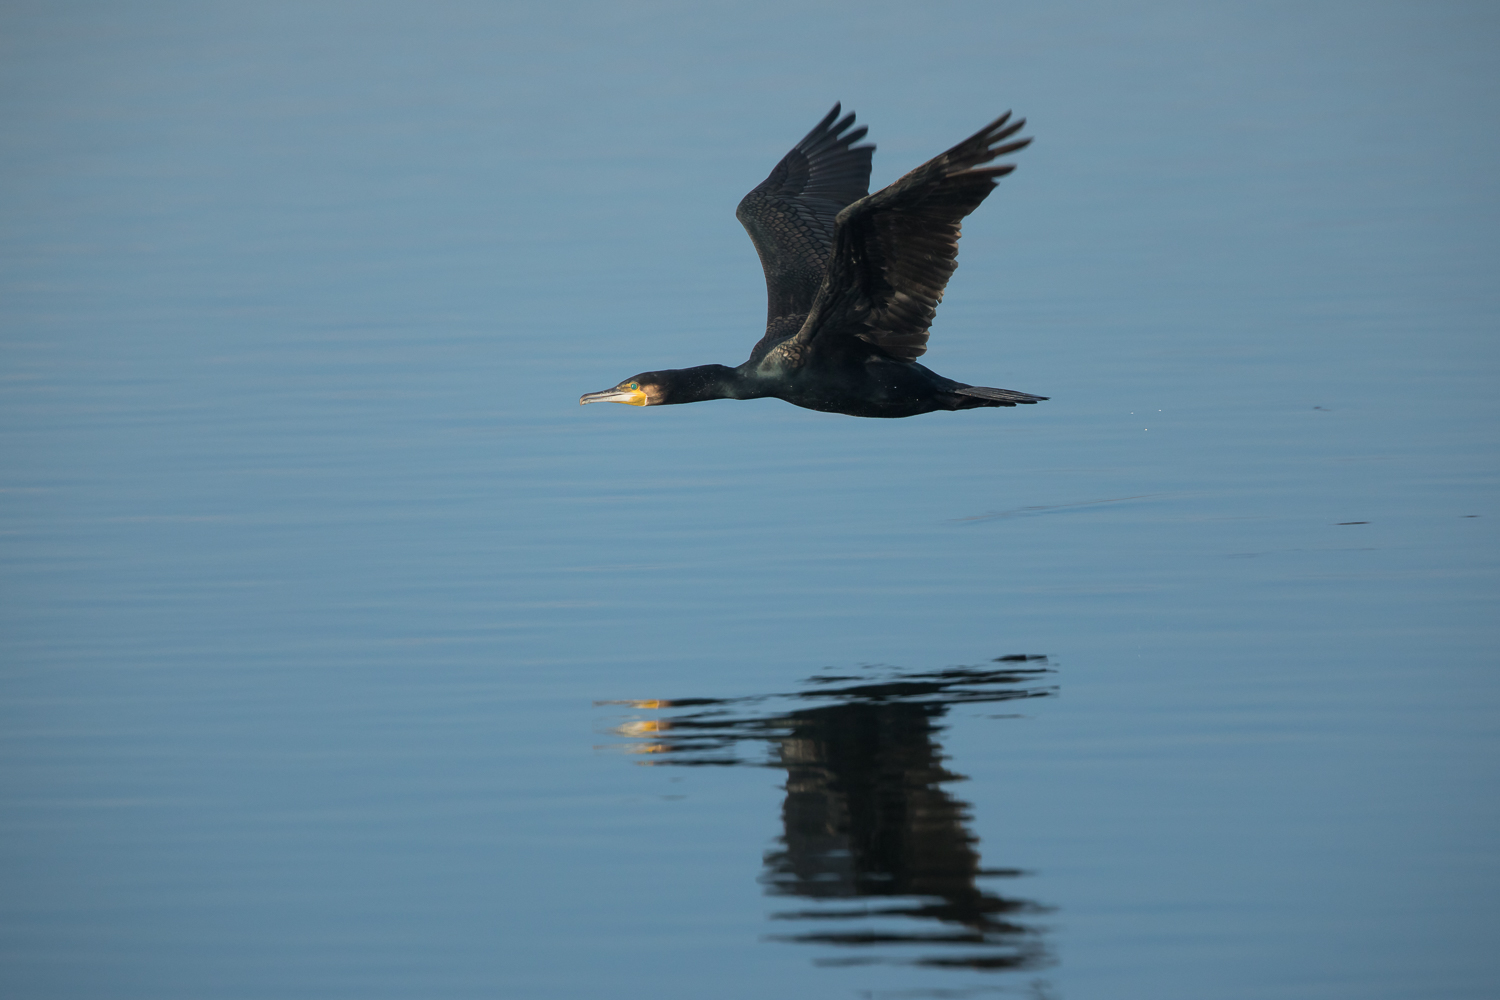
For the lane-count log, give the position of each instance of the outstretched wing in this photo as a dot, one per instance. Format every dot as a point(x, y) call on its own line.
point(790, 216)
point(895, 249)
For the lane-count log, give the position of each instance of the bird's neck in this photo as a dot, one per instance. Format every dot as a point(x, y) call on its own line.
point(692, 385)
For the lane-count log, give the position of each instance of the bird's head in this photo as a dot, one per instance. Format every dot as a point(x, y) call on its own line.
point(675, 385)
point(638, 390)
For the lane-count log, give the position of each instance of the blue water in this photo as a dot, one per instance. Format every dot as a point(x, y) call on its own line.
point(335, 635)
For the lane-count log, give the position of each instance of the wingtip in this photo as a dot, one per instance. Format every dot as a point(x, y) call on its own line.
point(985, 145)
point(830, 131)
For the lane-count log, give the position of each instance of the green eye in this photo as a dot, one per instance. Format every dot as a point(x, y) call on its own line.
point(635, 385)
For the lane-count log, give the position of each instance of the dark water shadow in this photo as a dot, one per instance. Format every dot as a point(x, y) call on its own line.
point(872, 840)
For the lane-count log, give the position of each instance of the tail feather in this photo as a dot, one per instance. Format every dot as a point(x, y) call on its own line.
point(1005, 397)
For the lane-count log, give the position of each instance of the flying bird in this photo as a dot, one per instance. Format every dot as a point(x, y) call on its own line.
point(852, 281)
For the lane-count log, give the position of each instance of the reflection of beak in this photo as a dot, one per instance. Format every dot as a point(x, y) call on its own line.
point(643, 727)
point(634, 397)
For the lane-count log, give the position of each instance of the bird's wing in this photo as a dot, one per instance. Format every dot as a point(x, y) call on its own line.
point(789, 216)
point(895, 249)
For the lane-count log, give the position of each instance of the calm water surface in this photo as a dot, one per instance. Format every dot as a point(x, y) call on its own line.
point(345, 655)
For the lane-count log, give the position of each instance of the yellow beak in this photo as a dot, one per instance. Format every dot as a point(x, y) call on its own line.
point(633, 397)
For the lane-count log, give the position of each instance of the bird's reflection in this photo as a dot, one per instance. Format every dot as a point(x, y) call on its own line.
point(870, 834)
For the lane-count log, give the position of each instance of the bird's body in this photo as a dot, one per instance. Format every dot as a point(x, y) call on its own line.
point(852, 281)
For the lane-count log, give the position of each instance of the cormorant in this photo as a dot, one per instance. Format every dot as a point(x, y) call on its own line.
point(852, 281)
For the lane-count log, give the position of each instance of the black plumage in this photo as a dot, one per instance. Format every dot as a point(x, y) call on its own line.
point(853, 281)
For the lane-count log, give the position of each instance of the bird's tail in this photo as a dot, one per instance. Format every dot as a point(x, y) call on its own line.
point(1002, 397)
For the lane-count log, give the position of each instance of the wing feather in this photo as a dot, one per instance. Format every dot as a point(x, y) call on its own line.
point(894, 250)
point(790, 215)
